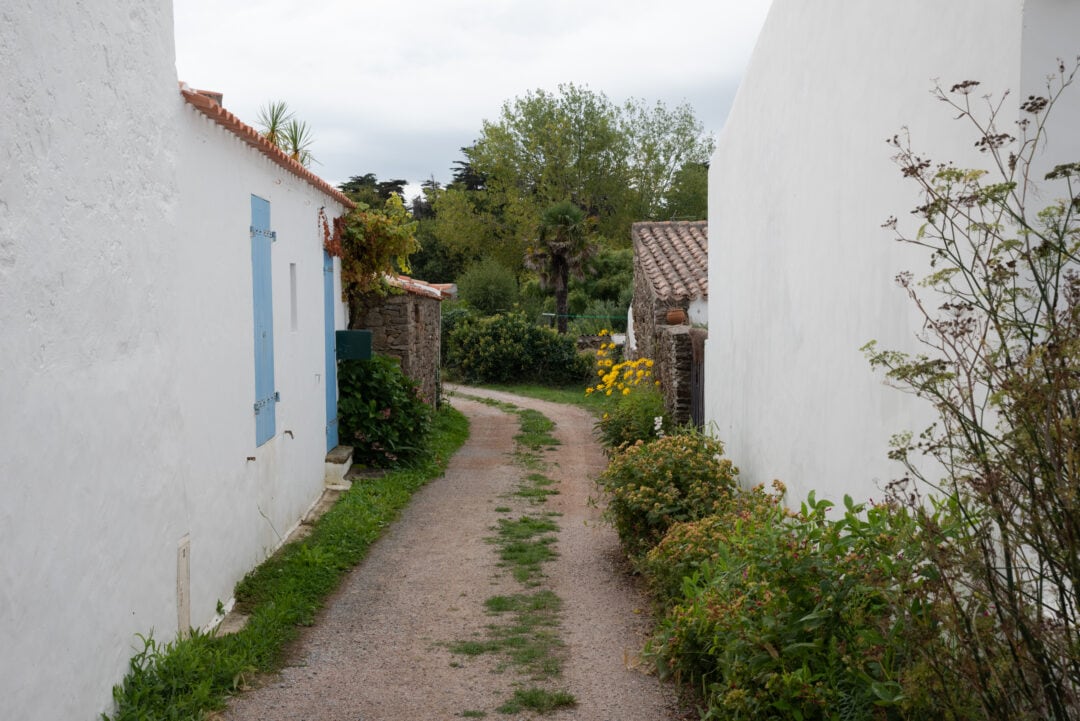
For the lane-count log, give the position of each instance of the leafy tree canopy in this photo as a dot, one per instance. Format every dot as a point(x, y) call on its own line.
point(619, 164)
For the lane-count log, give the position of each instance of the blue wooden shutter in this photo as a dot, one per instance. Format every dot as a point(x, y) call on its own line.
point(331, 352)
point(263, 302)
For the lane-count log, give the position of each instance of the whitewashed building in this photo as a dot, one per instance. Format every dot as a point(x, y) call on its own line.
point(165, 379)
point(801, 273)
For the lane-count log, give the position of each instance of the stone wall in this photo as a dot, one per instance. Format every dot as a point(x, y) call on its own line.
point(674, 360)
point(408, 327)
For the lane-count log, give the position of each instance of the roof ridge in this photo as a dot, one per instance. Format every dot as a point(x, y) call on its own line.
point(224, 118)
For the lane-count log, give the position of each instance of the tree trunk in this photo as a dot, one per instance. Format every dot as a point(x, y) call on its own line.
point(562, 277)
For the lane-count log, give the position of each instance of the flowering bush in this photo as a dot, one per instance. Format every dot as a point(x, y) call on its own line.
point(380, 410)
point(633, 402)
point(680, 477)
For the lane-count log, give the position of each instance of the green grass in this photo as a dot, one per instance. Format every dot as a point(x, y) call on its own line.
point(537, 699)
point(526, 635)
point(473, 714)
point(186, 678)
point(572, 395)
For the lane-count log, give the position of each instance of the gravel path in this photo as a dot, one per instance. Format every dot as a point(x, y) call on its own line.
point(379, 651)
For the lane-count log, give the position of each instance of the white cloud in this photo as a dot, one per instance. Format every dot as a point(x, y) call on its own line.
point(396, 89)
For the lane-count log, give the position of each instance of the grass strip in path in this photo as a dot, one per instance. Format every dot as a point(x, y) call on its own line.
point(527, 634)
point(184, 679)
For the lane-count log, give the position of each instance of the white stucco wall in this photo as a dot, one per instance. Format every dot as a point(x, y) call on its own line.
point(126, 352)
point(244, 507)
point(801, 273)
point(92, 447)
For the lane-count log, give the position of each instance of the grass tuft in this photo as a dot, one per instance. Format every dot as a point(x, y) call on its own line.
point(539, 700)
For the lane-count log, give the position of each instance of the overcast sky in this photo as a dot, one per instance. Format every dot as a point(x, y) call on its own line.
point(396, 89)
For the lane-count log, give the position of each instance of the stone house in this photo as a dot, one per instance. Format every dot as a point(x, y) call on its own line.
point(669, 311)
point(407, 326)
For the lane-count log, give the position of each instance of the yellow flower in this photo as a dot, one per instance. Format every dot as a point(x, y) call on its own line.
point(588, 390)
point(608, 392)
point(656, 383)
point(625, 391)
point(648, 363)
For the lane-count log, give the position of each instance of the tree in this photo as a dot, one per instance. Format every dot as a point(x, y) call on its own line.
point(618, 164)
point(563, 246)
point(280, 127)
point(688, 197)
point(371, 191)
point(664, 145)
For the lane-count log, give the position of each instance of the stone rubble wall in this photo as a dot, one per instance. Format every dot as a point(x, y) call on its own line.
point(408, 327)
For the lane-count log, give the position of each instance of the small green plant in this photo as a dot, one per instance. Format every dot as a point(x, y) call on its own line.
point(650, 486)
point(506, 348)
point(381, 413)
point(539, 700)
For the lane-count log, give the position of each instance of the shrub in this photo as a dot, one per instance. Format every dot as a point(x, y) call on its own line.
point(797, 616)
point(505, 348)
point(453, 314)
point(689, 545)
point(681, 477)
point(488, 286)
point(381, 413)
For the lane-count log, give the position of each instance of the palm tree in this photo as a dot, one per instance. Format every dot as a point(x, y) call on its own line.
point(272, 120)
point(296, 141)
point(563, 246)
point(281, 128)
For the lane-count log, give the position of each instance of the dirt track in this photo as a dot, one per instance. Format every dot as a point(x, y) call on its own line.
point(379, 650)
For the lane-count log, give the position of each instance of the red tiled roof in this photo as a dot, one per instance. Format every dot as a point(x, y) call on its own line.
point(418, 287)
point(201, 101)
point(674, 256)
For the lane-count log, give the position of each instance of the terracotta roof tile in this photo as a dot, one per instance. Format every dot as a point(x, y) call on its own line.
point(202, 100)
point(418, 287)
point(674, 256)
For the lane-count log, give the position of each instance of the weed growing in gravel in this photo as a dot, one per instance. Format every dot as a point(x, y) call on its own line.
point(527, 634)
point(537, 699)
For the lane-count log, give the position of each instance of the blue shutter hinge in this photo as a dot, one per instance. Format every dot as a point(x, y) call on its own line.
point(271, 234)
point(263, 402)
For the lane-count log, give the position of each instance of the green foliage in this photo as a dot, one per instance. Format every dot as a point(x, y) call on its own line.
point(562, 247)
point(688, 546)
point(618, 163)
point(633, 407)
point(650, 486)
point(374, 244)
point(608, 275)
point(278, 125)
point(182, 680)
point(794, 615)
point(488, 286)
point(1001, 333)
point(381, 413)
point(688, 198)
point(600, 315)
point(506, 348)
point(632, 418)
point(539, 700)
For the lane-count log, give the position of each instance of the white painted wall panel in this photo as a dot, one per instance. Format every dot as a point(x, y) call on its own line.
point(801, 273)
point(126, 352)
point(90, 439)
